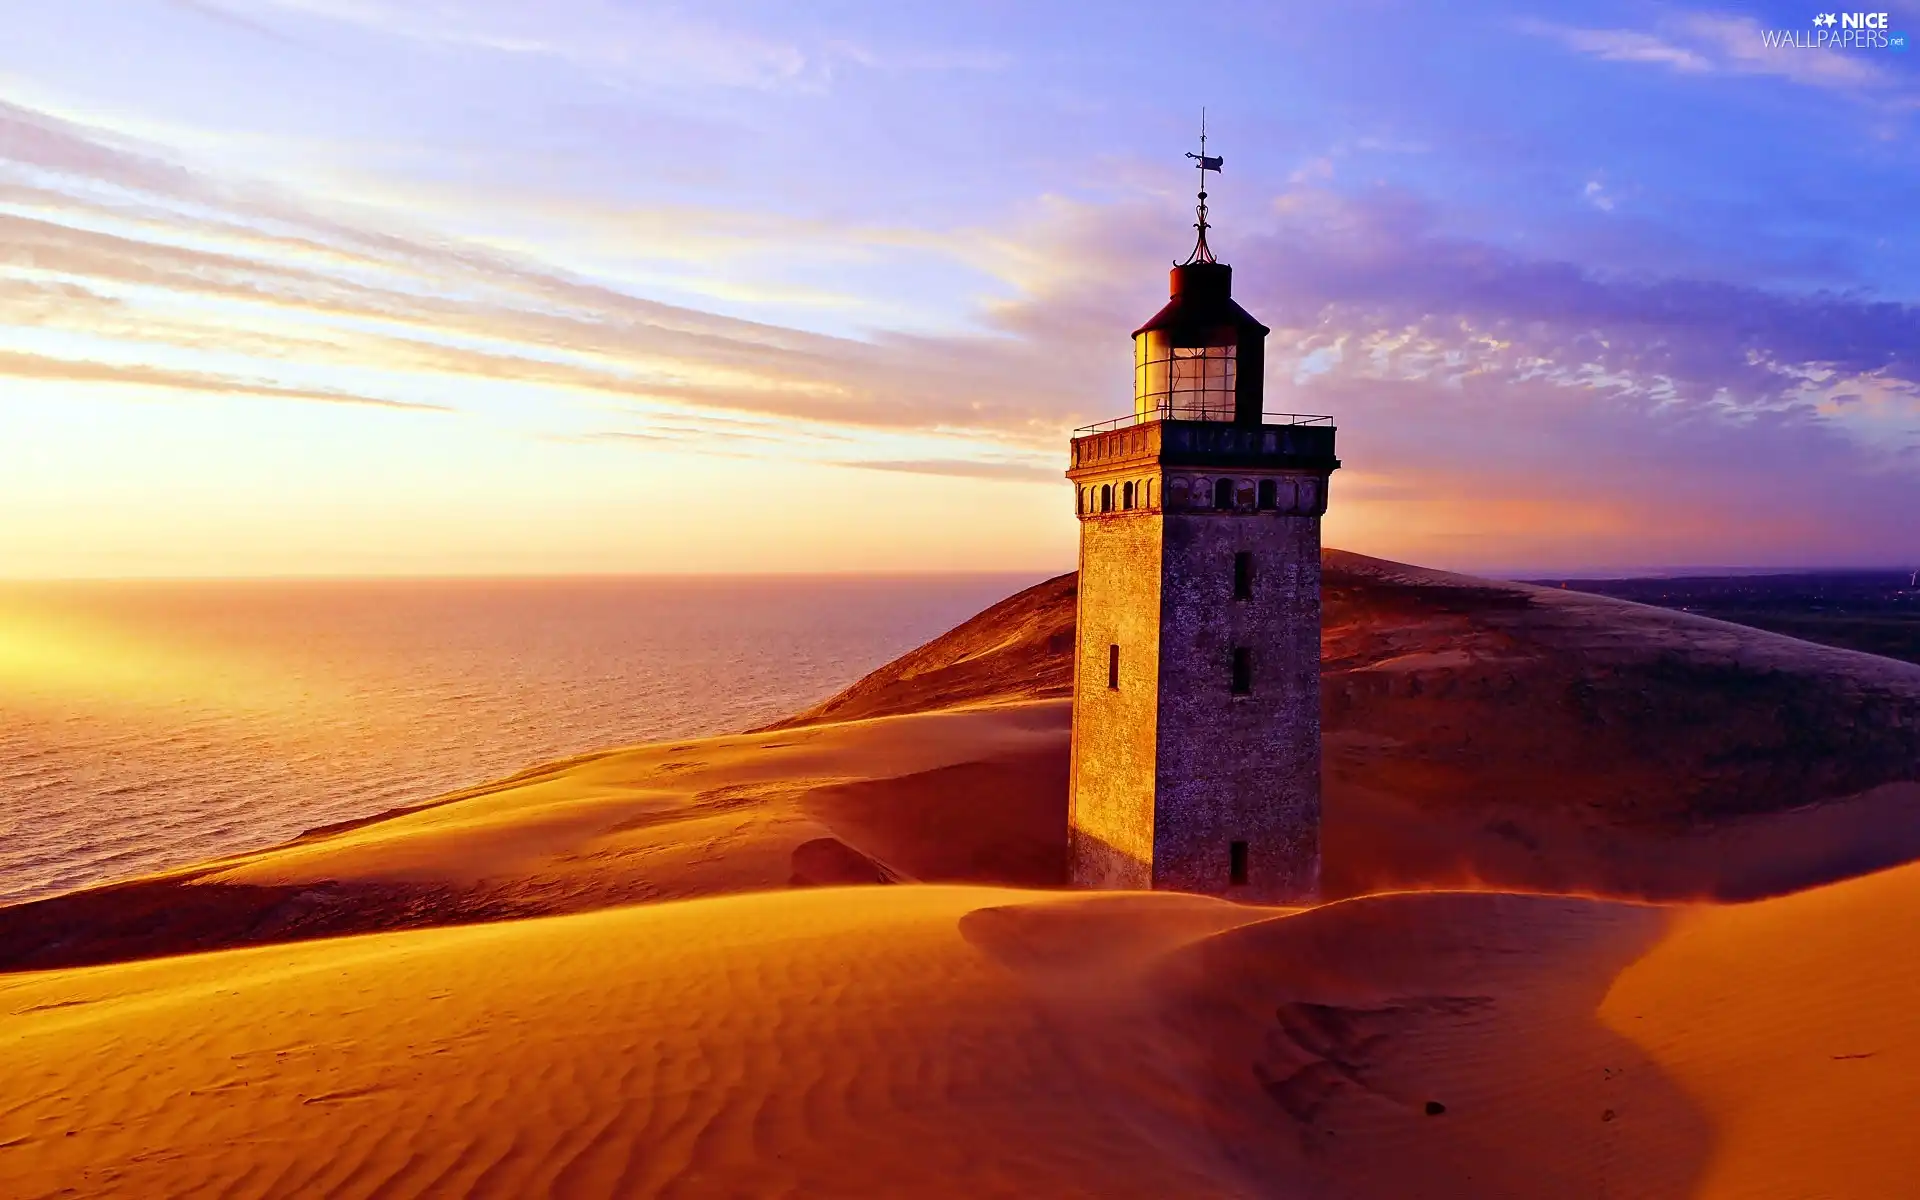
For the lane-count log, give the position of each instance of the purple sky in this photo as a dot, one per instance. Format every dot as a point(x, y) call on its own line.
point(362, 286)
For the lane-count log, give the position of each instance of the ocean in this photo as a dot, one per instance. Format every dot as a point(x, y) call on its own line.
point(149, 725)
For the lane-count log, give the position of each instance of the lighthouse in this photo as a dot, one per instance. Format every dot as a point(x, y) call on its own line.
point(1196, 698)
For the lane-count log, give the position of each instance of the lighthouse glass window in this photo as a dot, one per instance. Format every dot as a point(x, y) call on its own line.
point(1186, 383)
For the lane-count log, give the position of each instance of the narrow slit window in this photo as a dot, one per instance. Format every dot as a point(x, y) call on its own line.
point(1106, 497)
point(1223, 493)
point(1237, 864)
point(1242, 671)
point(1267, 491)
point(1243, 575)
point(1113, 665)
point(1127, 493)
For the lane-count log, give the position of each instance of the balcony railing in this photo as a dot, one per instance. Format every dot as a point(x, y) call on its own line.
point(1166, 414)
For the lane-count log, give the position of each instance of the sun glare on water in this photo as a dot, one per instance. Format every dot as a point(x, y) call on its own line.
point(55, 661)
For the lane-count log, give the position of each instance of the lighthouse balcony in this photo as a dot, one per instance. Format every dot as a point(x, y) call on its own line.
point(1168, 413)
point(1286, 441)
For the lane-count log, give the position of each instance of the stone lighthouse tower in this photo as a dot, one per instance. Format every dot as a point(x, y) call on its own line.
point(1196, 697)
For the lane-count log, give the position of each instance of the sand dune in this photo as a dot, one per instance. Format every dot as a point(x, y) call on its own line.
point(1554, 740)
point(757, 1030)
point(1479, 734)
point(967, 1042)
point(813, 1043)
point(1019, 649)
point(1574, 1047)
point(1482, 733)
point(894, 800)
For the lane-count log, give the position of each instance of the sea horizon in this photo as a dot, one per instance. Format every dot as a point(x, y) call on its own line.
point(1512, 573)
point(149, 724)
point(549, 576)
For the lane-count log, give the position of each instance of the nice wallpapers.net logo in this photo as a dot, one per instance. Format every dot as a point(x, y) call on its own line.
point(1839, 31)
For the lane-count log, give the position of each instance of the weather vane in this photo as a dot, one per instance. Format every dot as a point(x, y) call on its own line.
point(1200, 251)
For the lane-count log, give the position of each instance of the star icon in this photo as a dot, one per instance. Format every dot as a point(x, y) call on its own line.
point(1825, 19)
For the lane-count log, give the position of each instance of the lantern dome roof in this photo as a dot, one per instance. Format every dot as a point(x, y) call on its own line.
point(1201, 304)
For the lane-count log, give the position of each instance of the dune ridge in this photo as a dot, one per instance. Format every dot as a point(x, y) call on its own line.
point(1019, 649)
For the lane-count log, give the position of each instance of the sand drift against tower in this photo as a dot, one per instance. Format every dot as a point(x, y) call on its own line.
point(1196, 704)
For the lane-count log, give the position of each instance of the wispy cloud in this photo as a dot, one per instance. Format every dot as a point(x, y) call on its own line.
point(187, 264)
point(650, 45)
point(961, 468)
point(278, 278)
point(1724, 43)
point(232, 17)
point(1526, 389)
point(62, 370)
point(1621, 45)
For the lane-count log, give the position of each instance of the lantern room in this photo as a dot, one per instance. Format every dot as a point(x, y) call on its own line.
point(1202, 357)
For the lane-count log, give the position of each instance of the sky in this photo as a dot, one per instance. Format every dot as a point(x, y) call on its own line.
point(377, 287)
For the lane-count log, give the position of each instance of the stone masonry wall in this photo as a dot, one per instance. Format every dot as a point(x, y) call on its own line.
point(1228, 767)
point(1111, 821)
